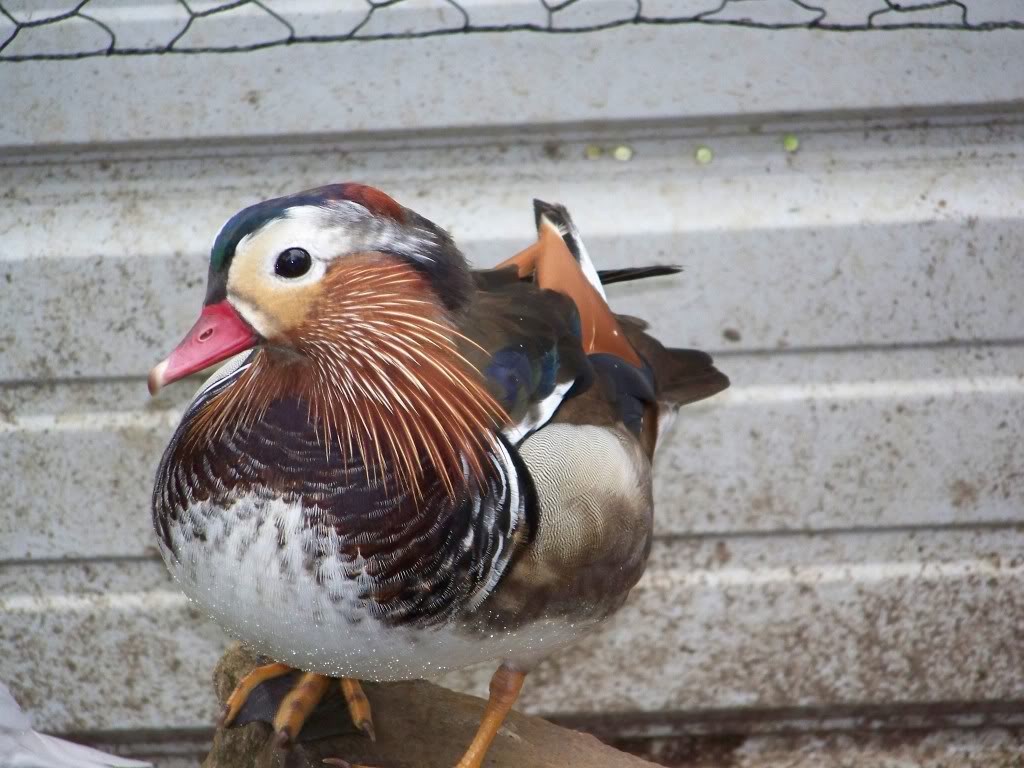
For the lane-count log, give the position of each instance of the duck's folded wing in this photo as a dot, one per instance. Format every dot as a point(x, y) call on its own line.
point(526, 344)
point(545, 328)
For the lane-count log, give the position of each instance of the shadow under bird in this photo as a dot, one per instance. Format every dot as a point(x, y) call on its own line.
point(409, 466)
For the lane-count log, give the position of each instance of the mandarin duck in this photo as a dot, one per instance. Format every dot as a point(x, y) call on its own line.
point(409, 466)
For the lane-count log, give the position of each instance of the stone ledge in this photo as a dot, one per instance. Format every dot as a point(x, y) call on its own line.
point(418, 724)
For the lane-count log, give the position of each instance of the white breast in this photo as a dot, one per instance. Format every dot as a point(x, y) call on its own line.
point(253, 575)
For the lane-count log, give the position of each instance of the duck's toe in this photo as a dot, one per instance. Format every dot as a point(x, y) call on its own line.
point(245, 688)
point(358, 706)
point(264, 695)
point(297, 705)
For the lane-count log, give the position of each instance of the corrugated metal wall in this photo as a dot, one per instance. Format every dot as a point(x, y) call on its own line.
point(839, 535)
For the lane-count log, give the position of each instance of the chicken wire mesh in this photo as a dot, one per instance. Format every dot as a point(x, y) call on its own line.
point(51, 29)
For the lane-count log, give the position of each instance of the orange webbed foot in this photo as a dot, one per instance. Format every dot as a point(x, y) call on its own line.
point(296, 706)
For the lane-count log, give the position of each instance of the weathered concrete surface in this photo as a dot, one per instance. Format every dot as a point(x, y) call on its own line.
point(894, 237)
point(476, 81)
point(418, 725)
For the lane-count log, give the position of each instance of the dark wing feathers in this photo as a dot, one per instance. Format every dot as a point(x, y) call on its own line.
point(526, 342)
point(610, 276)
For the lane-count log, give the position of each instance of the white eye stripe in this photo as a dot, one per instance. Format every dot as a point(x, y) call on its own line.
point(332, 232)
point(301, 228)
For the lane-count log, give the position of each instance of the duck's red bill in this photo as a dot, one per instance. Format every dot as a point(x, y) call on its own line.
point(218, 334)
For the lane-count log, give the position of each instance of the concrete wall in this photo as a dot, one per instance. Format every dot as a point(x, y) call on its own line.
point(839, 533)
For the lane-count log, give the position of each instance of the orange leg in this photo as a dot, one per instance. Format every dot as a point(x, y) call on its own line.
point(505, 687)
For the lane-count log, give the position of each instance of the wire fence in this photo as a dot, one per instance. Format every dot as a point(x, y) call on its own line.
point(75, 29)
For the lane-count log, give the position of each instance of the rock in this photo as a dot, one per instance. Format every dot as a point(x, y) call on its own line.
point(418, 725)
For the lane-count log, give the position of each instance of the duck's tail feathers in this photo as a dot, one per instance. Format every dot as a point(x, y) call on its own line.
point(558, 217)
point(609, 276)
point(689, 375)
point(683, 375)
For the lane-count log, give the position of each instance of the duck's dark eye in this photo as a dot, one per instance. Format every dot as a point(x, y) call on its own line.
point(294, 262)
